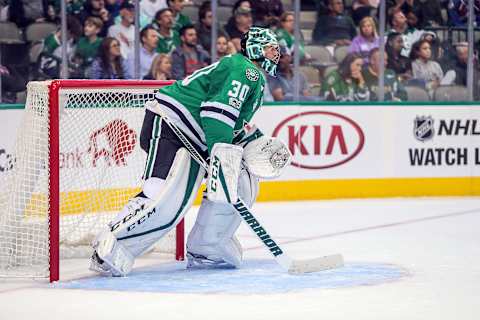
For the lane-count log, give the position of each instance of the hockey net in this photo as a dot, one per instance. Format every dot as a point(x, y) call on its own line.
point(77, 162)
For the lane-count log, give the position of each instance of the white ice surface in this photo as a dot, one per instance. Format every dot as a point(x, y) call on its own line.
point(405, 259)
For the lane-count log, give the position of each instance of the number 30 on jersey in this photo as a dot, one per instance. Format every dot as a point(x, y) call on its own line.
point(237, 94)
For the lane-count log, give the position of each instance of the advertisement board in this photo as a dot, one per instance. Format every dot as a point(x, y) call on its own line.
point(376, 141)
point(338, 151)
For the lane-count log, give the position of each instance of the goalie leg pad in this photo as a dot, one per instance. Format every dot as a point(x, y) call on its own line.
point(223, 173)
point(143, 221)
point(110, 256)
point(212, 240)
point(170, 203)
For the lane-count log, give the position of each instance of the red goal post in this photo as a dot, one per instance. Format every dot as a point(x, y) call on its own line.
point(78, 161)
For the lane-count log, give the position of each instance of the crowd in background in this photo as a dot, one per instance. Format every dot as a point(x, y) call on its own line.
point(419, 49)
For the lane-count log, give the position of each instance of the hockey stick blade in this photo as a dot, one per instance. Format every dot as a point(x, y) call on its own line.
point(316, 264)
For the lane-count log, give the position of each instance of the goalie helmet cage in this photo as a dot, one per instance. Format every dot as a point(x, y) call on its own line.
point(77, 162)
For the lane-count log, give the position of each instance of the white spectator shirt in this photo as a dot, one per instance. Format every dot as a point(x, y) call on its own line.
point(148, 8)
point(122, 33)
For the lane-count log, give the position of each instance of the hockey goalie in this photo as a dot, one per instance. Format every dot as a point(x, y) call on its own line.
point(210, 108)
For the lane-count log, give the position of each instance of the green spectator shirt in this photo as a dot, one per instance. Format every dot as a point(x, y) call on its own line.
point(168, 44)
point(50, 43)
point(87, 50)
point(180, 21)
point(394, 90)
point(288, 40)
point(215, 103)
point(334, 88)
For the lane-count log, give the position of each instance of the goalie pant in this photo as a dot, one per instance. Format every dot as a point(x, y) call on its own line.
point(171, 168)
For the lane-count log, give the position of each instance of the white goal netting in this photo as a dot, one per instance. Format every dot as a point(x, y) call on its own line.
point(101, 166)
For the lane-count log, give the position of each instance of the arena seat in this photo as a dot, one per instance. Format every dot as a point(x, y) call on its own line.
point(10, 33)
point(39, 30)
point(416, 93)
point(451, 93)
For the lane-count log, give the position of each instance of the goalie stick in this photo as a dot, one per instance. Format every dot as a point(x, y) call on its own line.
point(292, 266)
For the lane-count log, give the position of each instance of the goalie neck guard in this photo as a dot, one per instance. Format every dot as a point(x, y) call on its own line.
point(253, 45)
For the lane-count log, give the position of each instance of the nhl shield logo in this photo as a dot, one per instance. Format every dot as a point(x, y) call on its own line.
point(423, 128)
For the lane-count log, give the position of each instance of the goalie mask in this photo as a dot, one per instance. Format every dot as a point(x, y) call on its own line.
point(260, 44)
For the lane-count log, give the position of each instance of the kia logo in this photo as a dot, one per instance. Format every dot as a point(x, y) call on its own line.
point(320, 139)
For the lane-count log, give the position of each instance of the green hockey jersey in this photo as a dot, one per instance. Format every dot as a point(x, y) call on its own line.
point(214, 103)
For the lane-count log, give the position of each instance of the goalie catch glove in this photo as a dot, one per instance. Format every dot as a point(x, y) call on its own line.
point(266, 157)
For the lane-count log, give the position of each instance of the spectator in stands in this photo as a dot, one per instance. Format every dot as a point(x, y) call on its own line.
point(124, 30)
point(96, 8)
point(204, 26)
point(161, 68)
point(424, 68)
point(149, 41)
point(281, 86)
point(363, 8)
point(4, 7)
point(113, 7)
point(50, 58)
point(347, 82)
point(243, 22)
point(74, 7)
point(393, 89)
point(458, 12)
point(245, 4)
point(148, 8)
point(432, 13)
point(399, 64)
point(25, 12)
point(189, 56)
point(335, 28)
point(169, 39)
point(366, 40)
point(458, 68)
point(286, 37)
point(410, 35)
point(405, 6)
point(12, 83)
point(224, 47)
point(52, 43)
point(109, 63)
point(266, 13)
point(87, 46)
point(431, 37)
point(425, 12)
point(180, 20)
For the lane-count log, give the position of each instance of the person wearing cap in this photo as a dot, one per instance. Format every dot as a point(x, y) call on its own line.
point(124, 30)
point(169, 38)
point(241, 24)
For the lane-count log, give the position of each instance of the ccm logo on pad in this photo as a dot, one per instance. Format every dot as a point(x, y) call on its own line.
point(321, 139)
